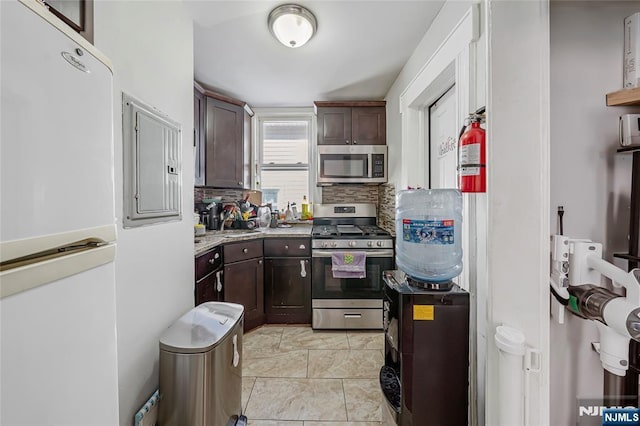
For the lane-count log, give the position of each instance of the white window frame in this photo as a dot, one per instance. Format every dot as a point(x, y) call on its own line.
point(284, 114)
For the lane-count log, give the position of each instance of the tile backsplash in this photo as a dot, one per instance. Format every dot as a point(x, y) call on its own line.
point(227, 194)
point(383, 196)
point(387, 207)
point(350, 194)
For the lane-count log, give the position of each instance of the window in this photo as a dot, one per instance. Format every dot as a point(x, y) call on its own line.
point(284, 145)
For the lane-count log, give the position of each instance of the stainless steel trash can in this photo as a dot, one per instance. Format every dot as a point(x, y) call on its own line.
point(201, 367)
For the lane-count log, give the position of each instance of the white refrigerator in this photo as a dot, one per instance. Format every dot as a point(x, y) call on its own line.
point(58, 358)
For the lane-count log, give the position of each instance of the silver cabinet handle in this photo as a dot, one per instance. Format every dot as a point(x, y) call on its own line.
point(303, 271)
point(219, 281)
point(212, 261)
point(302, 247)
point(355, 142)
point(286, 247)
point(347, 141)
point(216, 256)
point(259, 262)
point(240, 183)
point(244, 250)
point(353, 315)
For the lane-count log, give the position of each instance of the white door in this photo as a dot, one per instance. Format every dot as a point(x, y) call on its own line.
point(443, 142)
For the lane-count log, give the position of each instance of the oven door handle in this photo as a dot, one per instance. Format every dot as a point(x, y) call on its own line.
point(370, 253)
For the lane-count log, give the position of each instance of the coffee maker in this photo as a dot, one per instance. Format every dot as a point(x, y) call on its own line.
point(210, 215)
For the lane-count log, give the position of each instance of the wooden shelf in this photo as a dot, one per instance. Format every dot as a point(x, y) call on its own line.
point(624, 97)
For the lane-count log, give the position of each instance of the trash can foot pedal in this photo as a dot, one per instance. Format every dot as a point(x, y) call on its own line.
point(242, 421)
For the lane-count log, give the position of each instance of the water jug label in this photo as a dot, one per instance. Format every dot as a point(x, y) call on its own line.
point(438, 232)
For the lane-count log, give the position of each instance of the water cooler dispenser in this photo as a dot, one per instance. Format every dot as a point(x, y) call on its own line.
point(425, 376)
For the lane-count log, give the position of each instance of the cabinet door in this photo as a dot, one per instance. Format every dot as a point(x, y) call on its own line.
point(369, 126)
point(334, 126)
point(206, 289)
point(224, 145)
point(199, 117)
point(288, 290)
point(244, 284)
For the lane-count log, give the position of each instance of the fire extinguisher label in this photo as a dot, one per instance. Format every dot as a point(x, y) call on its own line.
point(437, 232)
point(469, 171)
point(469, 159)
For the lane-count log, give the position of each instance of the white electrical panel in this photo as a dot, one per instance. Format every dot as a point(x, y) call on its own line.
point(152, 165)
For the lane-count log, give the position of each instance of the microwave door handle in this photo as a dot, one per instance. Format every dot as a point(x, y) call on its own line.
point(369, 166)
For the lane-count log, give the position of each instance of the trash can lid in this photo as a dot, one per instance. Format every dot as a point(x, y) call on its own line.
point(202, 328)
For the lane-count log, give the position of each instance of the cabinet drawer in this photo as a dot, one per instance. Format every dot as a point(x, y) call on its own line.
point(242, 250)
point(285, 247)
point(208, 262)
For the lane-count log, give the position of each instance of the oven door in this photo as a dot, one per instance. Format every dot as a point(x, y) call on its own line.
point(325, 286)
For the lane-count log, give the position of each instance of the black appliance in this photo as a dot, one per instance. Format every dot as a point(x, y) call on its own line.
point(425, 376)
point(210, 217)
point(348, 303)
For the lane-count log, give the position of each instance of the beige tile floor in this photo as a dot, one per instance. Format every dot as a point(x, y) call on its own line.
point(295, 376)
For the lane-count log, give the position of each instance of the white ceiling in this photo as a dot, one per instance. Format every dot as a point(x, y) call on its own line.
point(356, 54)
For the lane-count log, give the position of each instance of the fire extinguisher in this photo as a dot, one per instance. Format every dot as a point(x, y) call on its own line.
point(472, 170)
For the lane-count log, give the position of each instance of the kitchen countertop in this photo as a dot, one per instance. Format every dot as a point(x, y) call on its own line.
point(215, 238)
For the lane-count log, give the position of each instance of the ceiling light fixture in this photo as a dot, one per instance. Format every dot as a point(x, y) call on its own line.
point(292, 25)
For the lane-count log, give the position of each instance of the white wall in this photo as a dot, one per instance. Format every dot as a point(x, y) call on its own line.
point(588, 178)
point(447, 18)
point(151, 47)
point(421, 81)
point(518, 189)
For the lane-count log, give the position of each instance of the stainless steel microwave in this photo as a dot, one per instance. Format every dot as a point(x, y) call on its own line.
point(351, 164)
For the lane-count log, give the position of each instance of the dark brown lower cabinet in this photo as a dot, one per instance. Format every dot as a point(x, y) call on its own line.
point(244, 284)
point(288, 290)
point(208, 287)
point(287, 278)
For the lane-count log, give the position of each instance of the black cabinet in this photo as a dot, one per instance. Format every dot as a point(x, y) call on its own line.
point(208, 274)
point(244, 280)
point(287, 281)
point(426, 352)
point(351, 123)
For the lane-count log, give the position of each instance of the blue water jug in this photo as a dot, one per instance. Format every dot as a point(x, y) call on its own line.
point(428, 233)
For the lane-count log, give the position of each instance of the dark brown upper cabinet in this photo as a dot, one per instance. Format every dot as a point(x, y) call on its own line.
point(222, 159)
point(199, 119)
point(352, 123)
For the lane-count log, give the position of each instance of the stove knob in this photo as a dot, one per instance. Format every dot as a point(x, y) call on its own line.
point(352, 243)
point(323, 245)
point(379, 243)
point(334, 244)
point(370, 243)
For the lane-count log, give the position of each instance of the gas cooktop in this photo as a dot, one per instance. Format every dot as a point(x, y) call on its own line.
point(348, 231)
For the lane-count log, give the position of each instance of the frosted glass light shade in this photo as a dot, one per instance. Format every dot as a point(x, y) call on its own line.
point(292, 25)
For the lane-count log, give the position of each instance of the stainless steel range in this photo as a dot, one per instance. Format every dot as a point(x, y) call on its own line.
point(348, 303)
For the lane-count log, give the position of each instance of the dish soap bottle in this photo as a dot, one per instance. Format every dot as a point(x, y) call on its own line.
point(287, 214)
point(305, 208)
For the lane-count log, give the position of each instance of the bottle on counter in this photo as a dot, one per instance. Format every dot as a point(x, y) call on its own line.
point(305, 208)
point(288, 215)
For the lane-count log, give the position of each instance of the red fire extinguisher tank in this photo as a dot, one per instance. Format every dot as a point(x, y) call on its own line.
point(472, 156)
